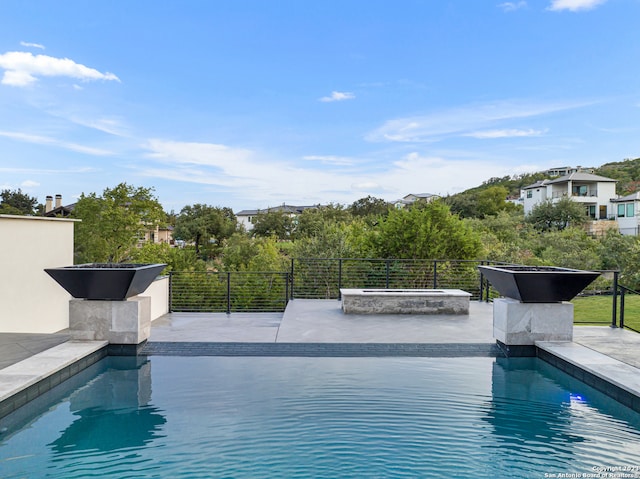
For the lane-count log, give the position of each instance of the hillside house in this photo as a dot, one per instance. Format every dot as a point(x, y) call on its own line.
point(247, 217)
point(593, 191)
point(626, 210)
point(412, 198)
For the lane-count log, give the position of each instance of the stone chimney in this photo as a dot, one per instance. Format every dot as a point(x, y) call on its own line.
point(48, 205)
point(58, 201)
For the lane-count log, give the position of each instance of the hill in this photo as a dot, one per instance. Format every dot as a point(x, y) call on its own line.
point(627, 172)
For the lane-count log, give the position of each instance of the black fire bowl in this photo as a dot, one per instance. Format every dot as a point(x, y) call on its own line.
point(538, 284)
point(106, 281)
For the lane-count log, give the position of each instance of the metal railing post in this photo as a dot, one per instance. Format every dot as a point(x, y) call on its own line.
point(291, 277)
point(481, 283)
point(286, 289)
point(169, 307)
point(614, 312)
point(622, 291)
point(229, 293)
point(386, 273)
point(339, 277)
point(435, 274)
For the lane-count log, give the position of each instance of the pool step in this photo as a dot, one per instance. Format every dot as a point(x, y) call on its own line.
point(321, 349)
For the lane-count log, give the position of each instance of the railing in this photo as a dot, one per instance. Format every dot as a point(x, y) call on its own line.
point(623, 292)
point(228, 292)
point(322, 278)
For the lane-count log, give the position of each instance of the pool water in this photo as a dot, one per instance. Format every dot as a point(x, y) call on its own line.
point(201, 417)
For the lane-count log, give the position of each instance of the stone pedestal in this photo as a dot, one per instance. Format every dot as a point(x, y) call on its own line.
point(119, 322)
point(516, 323)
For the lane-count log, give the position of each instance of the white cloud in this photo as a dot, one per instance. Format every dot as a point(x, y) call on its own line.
point(24, 68)
point(42, 171)
point(338, 96)
point(112, 126)
point(261, 181)
point(29, 184)
point(574, 5)
point(462, 121)
point(45, 140)
point(366, 186)
point(32, 45)
point(205, 154)
point(330, 160)
point(512, 6)
point(506, 133)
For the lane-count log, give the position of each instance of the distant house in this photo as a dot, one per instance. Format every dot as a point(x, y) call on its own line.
point(57, 210)
point(593, 191)
point(412, 198)
point(567, 170)
point(158, 235)
point(152, 235)
point(627, 209)
point(247, 217)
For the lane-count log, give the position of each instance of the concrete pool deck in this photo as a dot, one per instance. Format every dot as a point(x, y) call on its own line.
point(613, 355)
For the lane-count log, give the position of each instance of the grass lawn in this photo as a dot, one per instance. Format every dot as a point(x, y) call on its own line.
point(597, 310)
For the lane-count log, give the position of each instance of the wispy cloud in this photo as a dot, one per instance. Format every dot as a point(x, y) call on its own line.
point(330, 160)
point(574, 5)
point(512, 6)
point(111, 126)
point(45, 140)
point(220, 156)
point(32, 45)
point(29, 184)
point(506, 133)
point(24, 68)
point(338, 96)
point(48, 171)
point(463, 121)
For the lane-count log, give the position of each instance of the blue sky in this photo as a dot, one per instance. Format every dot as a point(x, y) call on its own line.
point(252, 103)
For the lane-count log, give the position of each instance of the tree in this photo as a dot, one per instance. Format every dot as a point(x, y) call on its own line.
point(273, 223)
point(17, 203)
point(369, 206)
point(313, 220)
point(112, 224)
point(205, 226)
point(426, 231)
point(242, 253)
point(549, 216)
point(177, 259)
point(488, 201)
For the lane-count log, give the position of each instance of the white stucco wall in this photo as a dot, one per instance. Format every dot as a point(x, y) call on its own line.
point(30, 301)
point(538, 195)
point(159, 292)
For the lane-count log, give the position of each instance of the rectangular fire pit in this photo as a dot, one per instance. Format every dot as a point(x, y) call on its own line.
point(405, 301)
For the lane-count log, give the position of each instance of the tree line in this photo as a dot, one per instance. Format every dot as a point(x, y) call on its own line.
point(488, 228)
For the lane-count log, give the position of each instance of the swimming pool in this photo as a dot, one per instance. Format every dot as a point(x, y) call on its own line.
point(242, 417)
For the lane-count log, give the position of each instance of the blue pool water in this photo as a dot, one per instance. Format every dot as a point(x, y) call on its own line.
point(201, 417)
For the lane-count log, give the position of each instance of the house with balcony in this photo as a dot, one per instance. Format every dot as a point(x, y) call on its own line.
point(593, 191)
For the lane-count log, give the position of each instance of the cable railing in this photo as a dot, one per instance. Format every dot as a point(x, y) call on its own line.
point(322, 278)
point(228, 291)
point(605, 301)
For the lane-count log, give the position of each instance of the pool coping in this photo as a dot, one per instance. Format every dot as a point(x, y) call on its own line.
point(613, 377)
point(28, 379)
